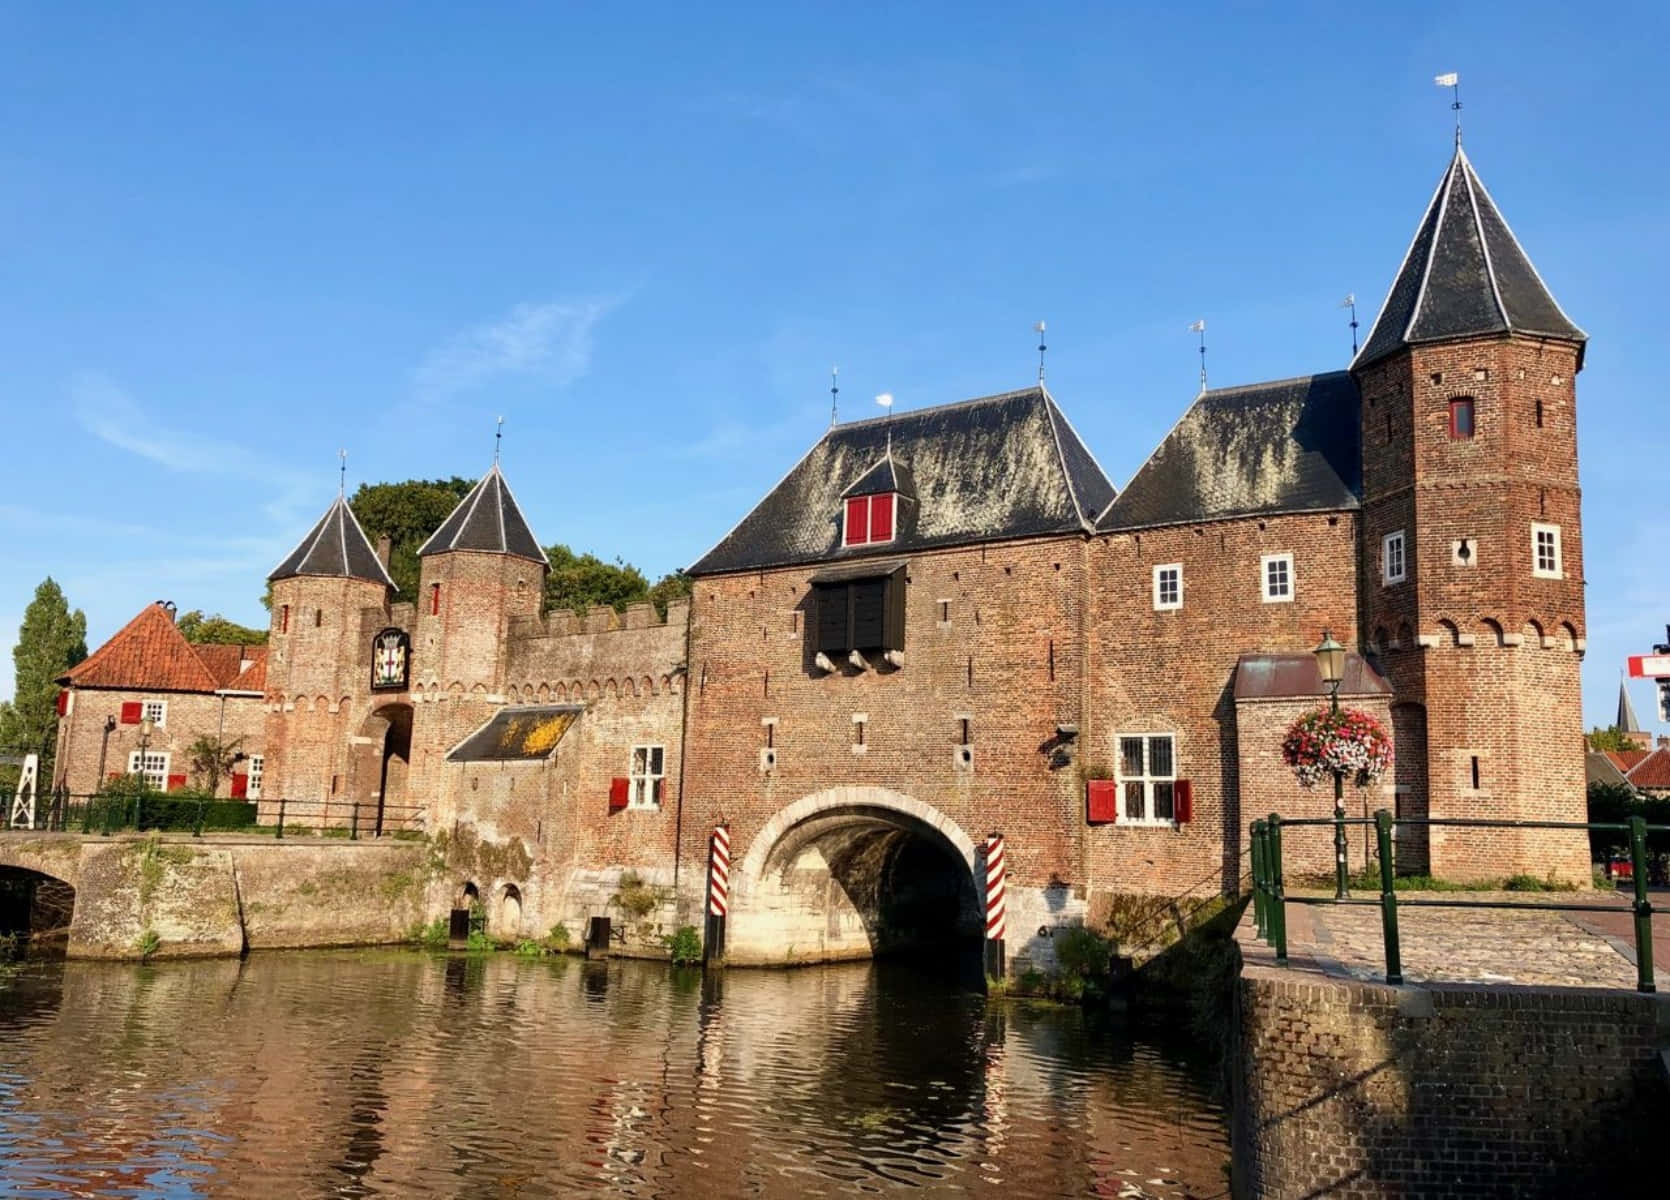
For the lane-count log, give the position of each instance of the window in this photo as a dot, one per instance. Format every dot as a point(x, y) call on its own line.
point(1394, 562)
point(1168, 586)
point(1545, 551)
point(256, 765)
point(153, 765)
point(859, 613)
point(648, 776)
point(1147, 778)
point(1461, 418)
point(284, 619)
point(869, 520)
point(154, 711)
point(1278, 578)
point(434, 599)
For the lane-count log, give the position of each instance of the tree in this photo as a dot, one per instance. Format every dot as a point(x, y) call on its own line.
point(218, 631)
point(51, 640)
point(406, 513)
point(582, 581)
point(210, 759)
point(673, 586)
point(1610, 738)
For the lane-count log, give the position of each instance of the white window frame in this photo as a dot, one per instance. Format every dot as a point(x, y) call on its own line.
point(156, 776)
point(1285, 561)
point(252, 784)
point(1175, 603)
point(160, 707)
point(1147, 781)
point(643, 789)
point(1558, 570)
point(1387, 578)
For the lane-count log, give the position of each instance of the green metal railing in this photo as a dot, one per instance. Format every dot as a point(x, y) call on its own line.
point(1270, 898)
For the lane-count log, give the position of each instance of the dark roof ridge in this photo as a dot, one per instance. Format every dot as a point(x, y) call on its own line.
point(503, 531)
point(1056, 414)
point(1035, 389)
point(1267, 383)
point(297, 561)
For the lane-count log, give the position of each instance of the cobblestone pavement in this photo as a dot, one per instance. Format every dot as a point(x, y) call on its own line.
point(1491, 946)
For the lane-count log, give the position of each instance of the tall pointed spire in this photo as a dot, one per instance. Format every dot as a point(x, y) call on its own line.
point(487, 520)
point(1627, 720)
point(1465, 275)
point(335, 547)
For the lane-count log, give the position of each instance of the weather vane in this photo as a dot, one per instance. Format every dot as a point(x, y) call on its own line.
point(497, 435)
point(834, 393)
point(1350, 302)
point(342, 473)
point(1200, 328)
point(1452, 80)
point(1039, 330)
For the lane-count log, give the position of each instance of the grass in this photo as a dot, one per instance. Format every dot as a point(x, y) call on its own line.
point(1369, 881)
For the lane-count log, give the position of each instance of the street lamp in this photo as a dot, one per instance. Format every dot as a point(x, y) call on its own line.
point(146, 727)
point(1330, 664)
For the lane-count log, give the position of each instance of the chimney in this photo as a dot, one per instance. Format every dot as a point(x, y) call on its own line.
point(385, 547)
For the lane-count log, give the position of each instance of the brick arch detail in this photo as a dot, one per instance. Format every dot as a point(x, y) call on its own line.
point(875, 800)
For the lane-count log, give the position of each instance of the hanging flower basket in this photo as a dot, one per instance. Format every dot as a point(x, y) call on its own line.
point(1349, 743)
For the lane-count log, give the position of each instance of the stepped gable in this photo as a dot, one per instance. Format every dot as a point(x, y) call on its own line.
point(148, 654)
point(487, 520)
point(994, 468)
point(335, 547)
point(1292, 445)
point(1465, 275)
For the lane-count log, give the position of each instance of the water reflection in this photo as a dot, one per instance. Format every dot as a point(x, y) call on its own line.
point(395, 1073)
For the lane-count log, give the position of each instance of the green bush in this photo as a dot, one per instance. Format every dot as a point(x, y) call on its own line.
point(1082, 953)
point(684, 946)
point(559, 937)
point(119, 799)
point(528, 948)
point(433, 934)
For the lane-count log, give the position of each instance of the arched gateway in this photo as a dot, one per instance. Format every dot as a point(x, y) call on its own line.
point(854, 872)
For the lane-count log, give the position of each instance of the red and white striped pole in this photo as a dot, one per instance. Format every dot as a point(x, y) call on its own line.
point(997, 915)
point(718, 891)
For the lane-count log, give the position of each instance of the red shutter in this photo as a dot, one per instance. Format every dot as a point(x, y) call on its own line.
point(660, 790)
point(240, 786)
point(63, 703)
point(619, 790)
point(176, 782)
point(434, 599)
point(284, 619)
point(881, 518)
point(114, 775)
point(1183, 801)
point(130, 712)
point(858, 524)
point(1101, 801)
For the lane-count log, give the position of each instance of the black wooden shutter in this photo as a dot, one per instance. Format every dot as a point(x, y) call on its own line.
point(832, 625)
point(869, 614)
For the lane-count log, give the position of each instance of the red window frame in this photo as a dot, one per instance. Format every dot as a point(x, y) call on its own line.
point(869, 520)
point(434, 599)
point(1463, 419)
point(284, 619)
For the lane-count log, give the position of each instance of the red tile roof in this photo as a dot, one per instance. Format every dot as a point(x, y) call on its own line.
point(1653, 771)
point(1627, 760)
point(150, 653)
point(254, 679)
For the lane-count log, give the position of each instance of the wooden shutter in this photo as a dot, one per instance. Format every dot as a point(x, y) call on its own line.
point(881, 518)
point(130, 712)
point(832, 625)
point(1183, 801)
point(660, 790)
point(857, 526)
point(894, 632)
point(1101, 801)
point(63, 703)
point(240, 786)
point(176, 782)
point(619, 790)
point(869, 614)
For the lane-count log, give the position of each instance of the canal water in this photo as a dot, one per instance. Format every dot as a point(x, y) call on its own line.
point(401, 1073)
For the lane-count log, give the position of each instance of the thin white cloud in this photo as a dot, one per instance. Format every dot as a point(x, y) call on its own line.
point(552, 341)
point(106, 410)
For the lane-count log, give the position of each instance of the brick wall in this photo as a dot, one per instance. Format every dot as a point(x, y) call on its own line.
point(1359, 1090)
point(190, 715)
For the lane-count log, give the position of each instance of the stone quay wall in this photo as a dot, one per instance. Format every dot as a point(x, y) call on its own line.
point(1351, 1089)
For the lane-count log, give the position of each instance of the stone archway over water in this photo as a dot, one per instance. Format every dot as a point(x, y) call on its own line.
point(854, 872)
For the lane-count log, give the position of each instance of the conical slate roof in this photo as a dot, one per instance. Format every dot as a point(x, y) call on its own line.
point(336, 546)
point(487, 520)
point(1627, 720)
point(885, 476)
point(1465, 275)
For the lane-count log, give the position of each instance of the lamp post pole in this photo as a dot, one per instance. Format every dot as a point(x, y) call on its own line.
point(145, 727)
point(1330, 664)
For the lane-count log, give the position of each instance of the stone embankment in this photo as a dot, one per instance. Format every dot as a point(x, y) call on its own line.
point(185, 897)
point(1518, 1060)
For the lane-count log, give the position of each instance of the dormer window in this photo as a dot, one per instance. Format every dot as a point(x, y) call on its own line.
point(869, 520)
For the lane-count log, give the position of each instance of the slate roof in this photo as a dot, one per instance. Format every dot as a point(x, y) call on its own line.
point(1627, 720)
point(149, 653)
point(999, 467)
point(524, 733)
point(489, 520)
point(336, 546)
point(886, 476)
point(1465, 274)
point(1287, 446)
point(1291, 674)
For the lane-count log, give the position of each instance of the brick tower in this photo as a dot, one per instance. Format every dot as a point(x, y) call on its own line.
point(482, 570)
point(1471, 555)
point(330, 596)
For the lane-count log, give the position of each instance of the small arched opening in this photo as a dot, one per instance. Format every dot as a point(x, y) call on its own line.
point(35, 911)
point(509, 922)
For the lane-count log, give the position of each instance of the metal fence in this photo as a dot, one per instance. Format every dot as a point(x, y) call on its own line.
point(1270, 898)
point(61, 811)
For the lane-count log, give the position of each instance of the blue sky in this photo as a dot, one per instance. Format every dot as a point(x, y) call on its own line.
point(237, 239)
